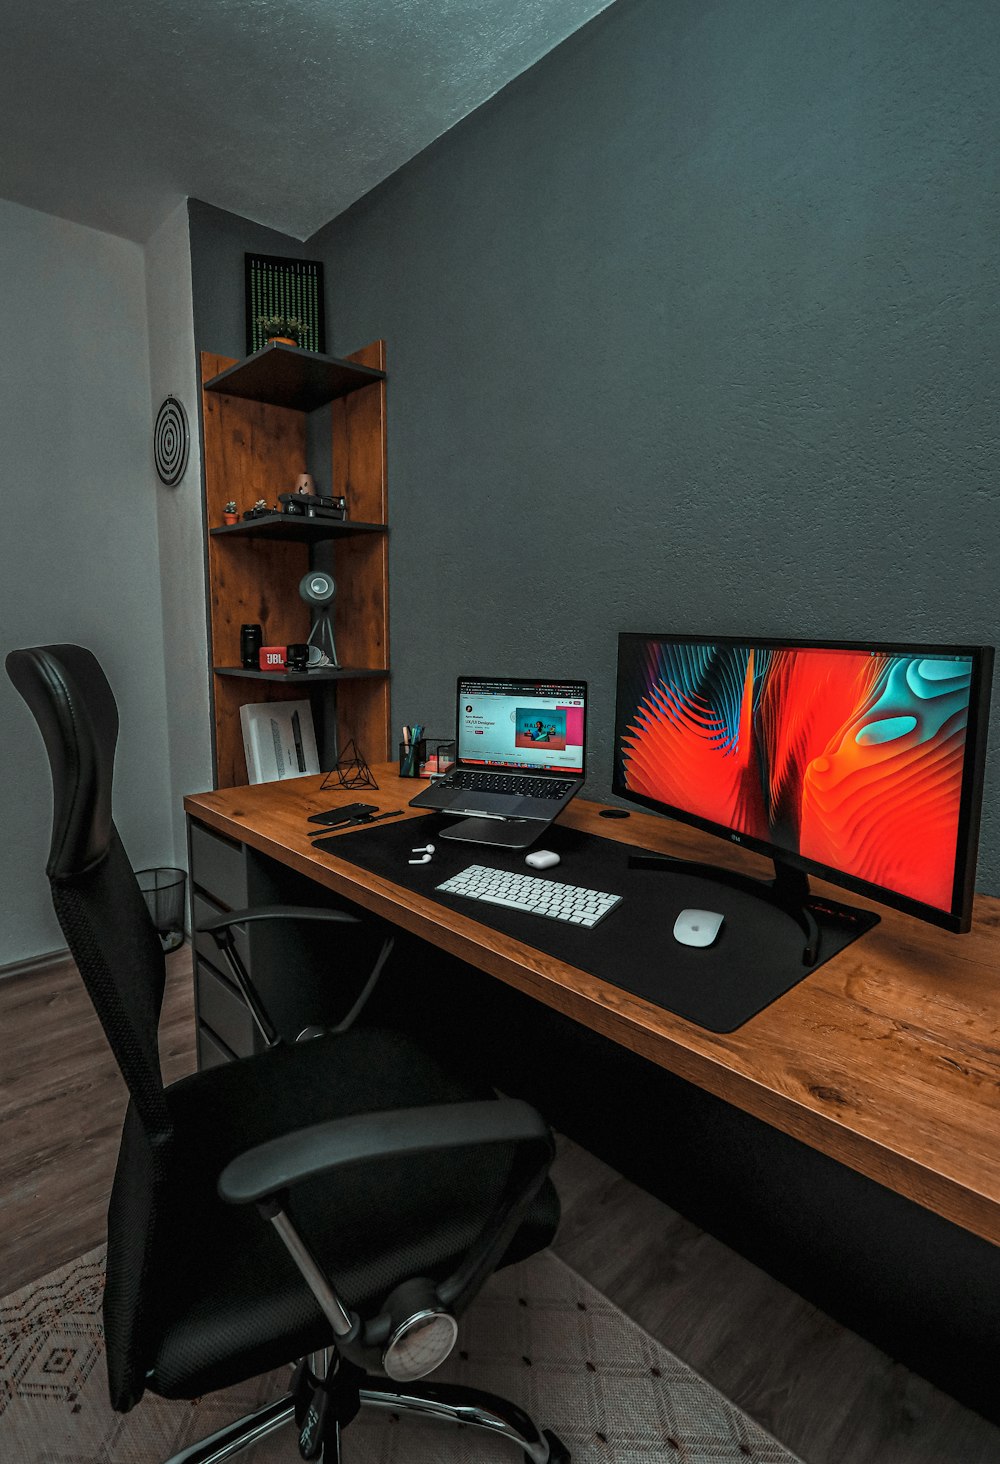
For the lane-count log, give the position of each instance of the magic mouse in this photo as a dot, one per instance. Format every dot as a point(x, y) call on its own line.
point(541, 859)
point(697, 927)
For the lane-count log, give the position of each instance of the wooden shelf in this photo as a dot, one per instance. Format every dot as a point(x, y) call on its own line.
point(296, 528)
point(285, 376)
point(282, 678)
point(257, 433)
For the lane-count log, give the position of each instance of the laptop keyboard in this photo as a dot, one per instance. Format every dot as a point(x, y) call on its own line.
point(548, 897)
point(506, 783)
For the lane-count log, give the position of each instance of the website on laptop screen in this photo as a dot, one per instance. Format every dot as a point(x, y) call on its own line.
point(538, 725)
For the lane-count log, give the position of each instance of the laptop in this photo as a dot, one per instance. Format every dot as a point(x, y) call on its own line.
point(521, 756)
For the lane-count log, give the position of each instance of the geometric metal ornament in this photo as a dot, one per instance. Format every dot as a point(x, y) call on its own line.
point(171, 441)
point(351, 770)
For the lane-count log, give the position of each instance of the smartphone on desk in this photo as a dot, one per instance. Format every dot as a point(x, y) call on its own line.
point(334, 816)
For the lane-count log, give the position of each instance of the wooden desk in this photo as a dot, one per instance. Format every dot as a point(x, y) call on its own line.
point(887, 1058)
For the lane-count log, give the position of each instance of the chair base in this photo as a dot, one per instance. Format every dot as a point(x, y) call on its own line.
point(450, 1402)
point(238, 1435)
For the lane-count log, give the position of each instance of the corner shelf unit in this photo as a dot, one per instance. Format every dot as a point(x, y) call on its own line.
point(255, 418)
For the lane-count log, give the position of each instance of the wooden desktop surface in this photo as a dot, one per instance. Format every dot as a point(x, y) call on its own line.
point(887, 1058)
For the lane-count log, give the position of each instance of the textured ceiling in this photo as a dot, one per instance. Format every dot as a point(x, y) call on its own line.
point(284, 111)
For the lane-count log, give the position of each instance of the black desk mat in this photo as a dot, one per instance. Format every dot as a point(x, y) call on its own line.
point(756, 957)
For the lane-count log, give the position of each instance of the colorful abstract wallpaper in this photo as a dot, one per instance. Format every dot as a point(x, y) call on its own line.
point(850, 758)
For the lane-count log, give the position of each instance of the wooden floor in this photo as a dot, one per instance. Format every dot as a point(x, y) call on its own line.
point(62, 1102)
point(825, 1393)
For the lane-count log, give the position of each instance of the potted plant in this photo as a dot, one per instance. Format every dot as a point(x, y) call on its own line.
point(285, 330)
point(229, 514)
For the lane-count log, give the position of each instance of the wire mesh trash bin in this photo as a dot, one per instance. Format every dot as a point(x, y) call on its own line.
point(163, 890)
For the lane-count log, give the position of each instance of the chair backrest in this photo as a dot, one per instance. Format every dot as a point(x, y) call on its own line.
point(111, 936)
point(97, 899)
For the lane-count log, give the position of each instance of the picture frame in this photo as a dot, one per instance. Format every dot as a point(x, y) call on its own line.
point(276, 285)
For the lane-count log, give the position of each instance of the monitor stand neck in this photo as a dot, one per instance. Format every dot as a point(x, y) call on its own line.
point(789, 890)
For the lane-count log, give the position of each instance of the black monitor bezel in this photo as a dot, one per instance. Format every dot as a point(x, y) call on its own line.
point(959, 917)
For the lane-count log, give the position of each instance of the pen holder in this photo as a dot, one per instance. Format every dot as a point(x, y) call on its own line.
point(426, 756)
point(411, 755)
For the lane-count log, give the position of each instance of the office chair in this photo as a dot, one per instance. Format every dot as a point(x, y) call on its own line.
point(392, 1189)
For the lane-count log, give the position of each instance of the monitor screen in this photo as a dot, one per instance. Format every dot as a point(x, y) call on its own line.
point(530, 726)
point(862, 764)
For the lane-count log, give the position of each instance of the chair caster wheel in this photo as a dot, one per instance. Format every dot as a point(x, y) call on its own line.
point(558, 1452)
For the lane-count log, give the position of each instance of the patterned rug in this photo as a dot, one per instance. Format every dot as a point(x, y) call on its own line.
point(537, 1334)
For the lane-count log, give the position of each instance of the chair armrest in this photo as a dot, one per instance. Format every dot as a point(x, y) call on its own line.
point(262, 1175)
point(219, 927)
point(274, 912)
point(306, 1153)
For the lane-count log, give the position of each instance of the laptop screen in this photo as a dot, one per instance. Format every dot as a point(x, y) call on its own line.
point(530, 726)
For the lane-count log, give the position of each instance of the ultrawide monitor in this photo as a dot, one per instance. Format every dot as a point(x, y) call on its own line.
point(860, 763)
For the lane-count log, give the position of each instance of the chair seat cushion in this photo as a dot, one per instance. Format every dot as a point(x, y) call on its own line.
point(225, 1300)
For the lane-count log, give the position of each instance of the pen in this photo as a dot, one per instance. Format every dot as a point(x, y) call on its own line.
point(416, 732)
point(411, 736)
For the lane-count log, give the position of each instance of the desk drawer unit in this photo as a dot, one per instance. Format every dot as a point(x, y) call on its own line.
point(222, 1009)
point(218, 866)
point(210, 1052)
point(202, 909)
point(219, 883)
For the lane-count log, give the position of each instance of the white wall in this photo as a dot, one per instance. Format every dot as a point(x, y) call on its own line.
point(179, 512)
point(78, 536)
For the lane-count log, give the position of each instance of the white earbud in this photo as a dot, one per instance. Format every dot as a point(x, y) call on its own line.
point(424, 849)
point(424, 859)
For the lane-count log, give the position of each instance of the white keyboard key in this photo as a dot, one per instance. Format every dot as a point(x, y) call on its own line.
point(499, 900)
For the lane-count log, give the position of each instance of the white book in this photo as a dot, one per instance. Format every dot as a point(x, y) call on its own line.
point(279, 740)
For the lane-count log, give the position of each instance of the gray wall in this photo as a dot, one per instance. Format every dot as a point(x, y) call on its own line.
point(219, 241)
point(78, 545)
point(180, 521)
point(695, 327)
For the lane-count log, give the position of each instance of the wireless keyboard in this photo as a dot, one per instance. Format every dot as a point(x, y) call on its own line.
point(572, 903)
